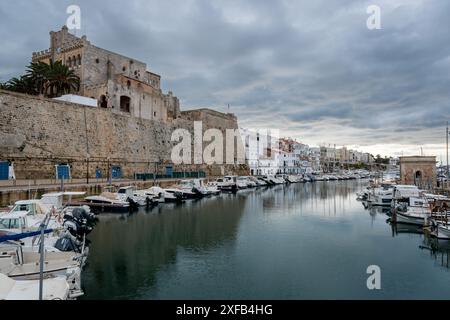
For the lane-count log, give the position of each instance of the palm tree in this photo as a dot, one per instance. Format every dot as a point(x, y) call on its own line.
point(51, 80)
point(59, 80)
point(22, 85)
point(37, 73)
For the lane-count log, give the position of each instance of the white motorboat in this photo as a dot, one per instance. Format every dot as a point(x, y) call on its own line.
point(275, 180)
point(227, 184)
point(22, 265)
point(213, 188)
point(129, 194)
point(381, 196)
point(106, 202)
point(52, 289)
point(163, 195)
point(244, 182)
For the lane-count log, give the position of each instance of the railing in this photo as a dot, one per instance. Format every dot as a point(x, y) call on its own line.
point(174, 175)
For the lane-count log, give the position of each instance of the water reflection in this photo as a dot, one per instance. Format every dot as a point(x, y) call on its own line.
point(439, 250)
point(301, 241)
point(127, 251)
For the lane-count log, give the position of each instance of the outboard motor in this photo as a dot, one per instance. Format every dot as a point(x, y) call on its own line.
point(81, 214)
point(133, 204)
point(197, 193)
point(150, 202)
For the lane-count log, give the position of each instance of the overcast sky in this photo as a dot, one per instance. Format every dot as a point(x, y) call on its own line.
point(310, 68)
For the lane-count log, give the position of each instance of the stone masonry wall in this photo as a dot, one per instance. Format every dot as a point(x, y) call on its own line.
point(38, 133)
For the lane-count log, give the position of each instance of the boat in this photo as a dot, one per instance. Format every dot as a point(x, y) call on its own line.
point(276, 180)
point(402, 193)
point(52, 289)
point(105, 202)
point(381, 196)
point(227, 184)
point(135, 199)
point(163, 195)
point(244, 182)
point(22, 265)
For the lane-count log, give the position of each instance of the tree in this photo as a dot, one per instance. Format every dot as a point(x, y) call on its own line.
point(22, 85)
point(37, 73)
point(50, 80)
point(59, 80)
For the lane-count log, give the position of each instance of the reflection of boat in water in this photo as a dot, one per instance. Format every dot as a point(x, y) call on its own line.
point(405, 228)
point(439, 250)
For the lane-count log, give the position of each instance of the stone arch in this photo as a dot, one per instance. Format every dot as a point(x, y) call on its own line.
point(418, 176)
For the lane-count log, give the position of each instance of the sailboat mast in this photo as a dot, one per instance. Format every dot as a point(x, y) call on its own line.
point(447, 152)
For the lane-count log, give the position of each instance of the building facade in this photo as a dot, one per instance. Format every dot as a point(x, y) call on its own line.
point(119, 83)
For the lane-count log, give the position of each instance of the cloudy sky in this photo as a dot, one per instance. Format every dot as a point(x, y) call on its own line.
point(310, 68)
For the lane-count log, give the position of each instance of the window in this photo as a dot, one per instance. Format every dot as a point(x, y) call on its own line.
point(69, 62)
point(79, 59)
point(103, 102)
point(97, 60)
point(125, 103)
point(154, 114)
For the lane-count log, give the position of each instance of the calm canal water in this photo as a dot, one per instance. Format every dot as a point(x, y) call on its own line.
point(301, 241)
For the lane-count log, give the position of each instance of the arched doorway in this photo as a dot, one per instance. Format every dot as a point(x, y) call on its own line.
point(418, 178)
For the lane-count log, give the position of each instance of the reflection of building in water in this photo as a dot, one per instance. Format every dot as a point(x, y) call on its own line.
point(321, 198)
point(126, 255)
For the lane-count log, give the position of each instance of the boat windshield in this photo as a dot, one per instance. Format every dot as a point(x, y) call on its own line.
point(15, 223)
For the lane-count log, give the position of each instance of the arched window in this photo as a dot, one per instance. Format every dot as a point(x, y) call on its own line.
point(69, 62)
point(125, 103)
point(79, 59)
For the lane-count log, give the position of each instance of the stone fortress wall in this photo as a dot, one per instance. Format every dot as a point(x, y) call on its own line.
point(38, 133)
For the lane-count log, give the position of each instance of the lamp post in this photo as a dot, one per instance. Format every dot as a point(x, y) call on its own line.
point(87, 168)
point(108, 175)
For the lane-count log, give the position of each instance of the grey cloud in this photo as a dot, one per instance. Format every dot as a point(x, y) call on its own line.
point(311, 68)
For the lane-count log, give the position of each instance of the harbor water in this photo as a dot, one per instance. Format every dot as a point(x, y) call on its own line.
point(299, 241)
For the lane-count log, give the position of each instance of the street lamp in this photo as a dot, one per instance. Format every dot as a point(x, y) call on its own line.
point(87, 168)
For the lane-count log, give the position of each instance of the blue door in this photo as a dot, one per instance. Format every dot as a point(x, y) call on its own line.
point(4, 170)
point(169, 171)
point(116, 172)
point(62, 172)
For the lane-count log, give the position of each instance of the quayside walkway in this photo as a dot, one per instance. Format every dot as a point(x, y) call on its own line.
point(14, 190)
